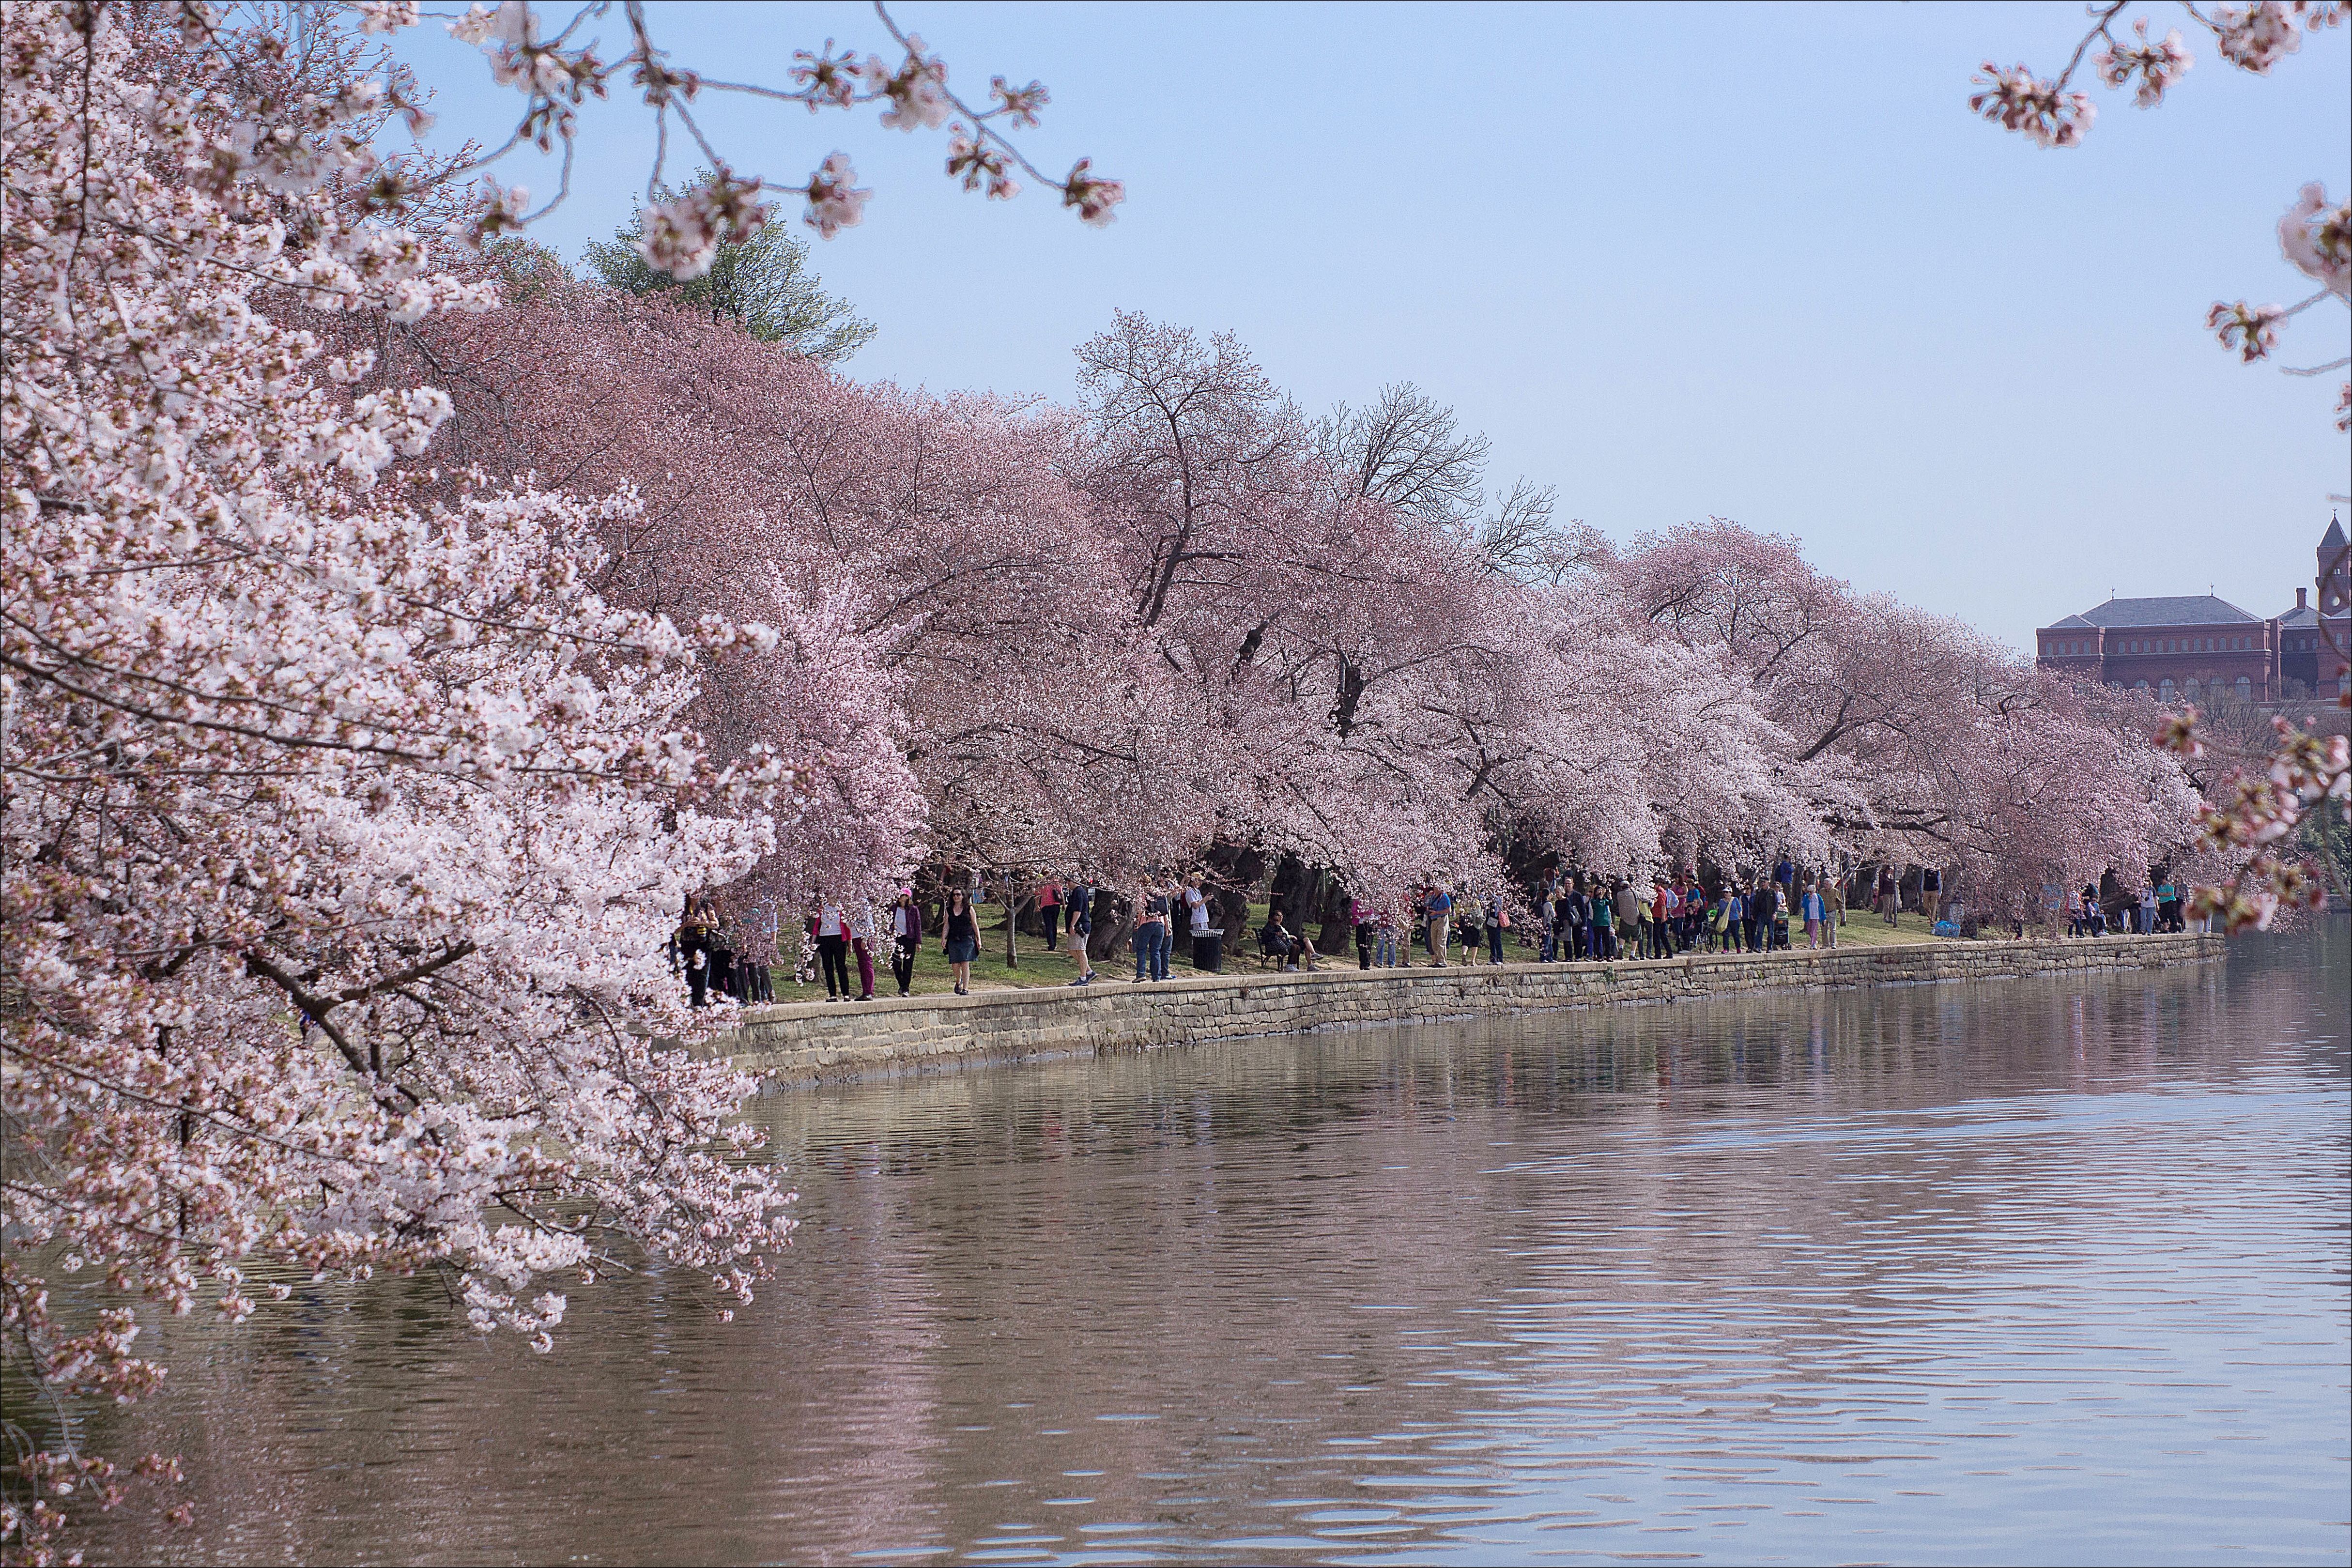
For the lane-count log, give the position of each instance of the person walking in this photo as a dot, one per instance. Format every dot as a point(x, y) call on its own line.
point(1196, 919)
point(1833, 907)
point(906, 937)
point(1440, 910)
point(1813, 912)
point(722, 957)
point(694, 950)
point(1628, 914)
point(830, 925)
point(960, 939)
point(1153, 935)
point(862, 939)
point(1081, 916)
point(1049, 910)
point(1890, 894)
point(1384, 940)
point(1605, 922)
point(1359, 921)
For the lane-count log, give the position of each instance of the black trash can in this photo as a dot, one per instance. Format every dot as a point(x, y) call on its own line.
point(1209, 952)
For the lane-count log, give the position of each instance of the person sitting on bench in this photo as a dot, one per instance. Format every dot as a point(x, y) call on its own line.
point(1279, 943)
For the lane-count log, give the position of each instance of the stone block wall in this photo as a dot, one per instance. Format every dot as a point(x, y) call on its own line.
point(808, 1041)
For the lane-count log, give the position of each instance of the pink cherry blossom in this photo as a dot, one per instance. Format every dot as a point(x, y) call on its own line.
point(2251, 330)
point(2157, 66)
point(2043, 112)
point(834, 200)
point(1093, 197)
point(2317, 238)
point(2257, 36)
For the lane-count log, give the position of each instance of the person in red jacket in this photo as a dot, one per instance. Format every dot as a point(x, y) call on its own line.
point(1049, 910)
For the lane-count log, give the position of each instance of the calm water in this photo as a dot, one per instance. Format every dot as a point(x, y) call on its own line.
point(2029, 1273)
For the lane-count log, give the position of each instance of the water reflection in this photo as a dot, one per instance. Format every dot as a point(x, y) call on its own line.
point(2031, 1271)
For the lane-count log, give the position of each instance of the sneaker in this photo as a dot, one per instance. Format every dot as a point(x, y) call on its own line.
point(962, 991)
point(1083, 979)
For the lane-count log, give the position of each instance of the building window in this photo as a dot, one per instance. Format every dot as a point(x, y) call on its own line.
point(2164, 689)
point(2140, 686)
point(2245, 689)
point(2188, 689)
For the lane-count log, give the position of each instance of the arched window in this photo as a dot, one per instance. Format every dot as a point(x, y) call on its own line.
point(2140, 686)
point(2164, 689)
point(2190, 690)
point(2245, 689)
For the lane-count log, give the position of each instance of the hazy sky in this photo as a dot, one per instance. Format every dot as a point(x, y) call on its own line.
point(1755, 262)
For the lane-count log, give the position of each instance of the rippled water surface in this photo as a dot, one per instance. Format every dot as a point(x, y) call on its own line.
point(2034, 1272)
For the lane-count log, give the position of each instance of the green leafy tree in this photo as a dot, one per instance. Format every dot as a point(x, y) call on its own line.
point(528, 270)
point(764, 283)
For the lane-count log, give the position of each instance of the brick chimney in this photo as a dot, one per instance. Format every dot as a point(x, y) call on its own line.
point(2300, 595)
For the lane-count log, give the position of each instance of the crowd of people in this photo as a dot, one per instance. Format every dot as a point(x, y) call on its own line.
point(1571, 917)
point(2117, 911)
point(714, 958)
point(1583, 917)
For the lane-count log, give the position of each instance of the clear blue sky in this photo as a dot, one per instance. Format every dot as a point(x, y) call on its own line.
point(1753, 261)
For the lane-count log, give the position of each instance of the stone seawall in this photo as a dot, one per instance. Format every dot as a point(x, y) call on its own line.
point(806, 1042)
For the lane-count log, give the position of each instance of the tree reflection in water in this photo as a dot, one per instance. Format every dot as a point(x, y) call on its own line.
point(1937, 1272)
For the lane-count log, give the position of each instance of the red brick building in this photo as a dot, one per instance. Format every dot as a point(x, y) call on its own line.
point(2307, 660)
point(2195, 648)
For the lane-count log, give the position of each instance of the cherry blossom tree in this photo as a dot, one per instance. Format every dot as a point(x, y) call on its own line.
point(1914, 740)
point(344, 819)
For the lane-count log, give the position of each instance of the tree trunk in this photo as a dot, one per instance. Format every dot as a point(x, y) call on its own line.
point(1235, 868)
point(1014, 897)
point(1114, 919)
point(1338, 932)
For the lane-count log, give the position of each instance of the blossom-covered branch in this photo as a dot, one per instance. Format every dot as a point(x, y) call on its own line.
point(557, 72)
point(2314, 235)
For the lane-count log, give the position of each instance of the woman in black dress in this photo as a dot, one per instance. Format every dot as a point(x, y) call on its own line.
point(962, 940)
